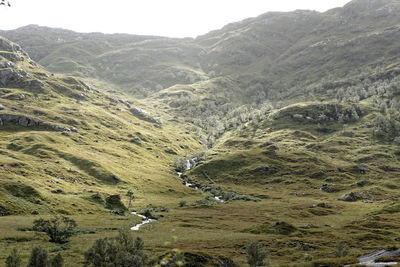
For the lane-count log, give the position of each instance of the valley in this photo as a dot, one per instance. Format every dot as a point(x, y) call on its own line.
point(282, 129)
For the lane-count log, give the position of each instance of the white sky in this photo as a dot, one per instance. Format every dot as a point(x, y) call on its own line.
point(173, 18)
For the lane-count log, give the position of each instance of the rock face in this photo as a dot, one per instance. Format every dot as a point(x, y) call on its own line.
point(29, 122)
point(143, 115)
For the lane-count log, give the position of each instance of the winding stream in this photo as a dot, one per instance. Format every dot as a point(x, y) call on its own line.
point(145, 221)
point(189, 165)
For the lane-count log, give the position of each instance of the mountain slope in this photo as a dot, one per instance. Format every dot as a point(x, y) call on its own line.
point(272, 52)
point(62, 138)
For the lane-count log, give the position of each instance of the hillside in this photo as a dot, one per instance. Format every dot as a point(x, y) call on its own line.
point(285, 129)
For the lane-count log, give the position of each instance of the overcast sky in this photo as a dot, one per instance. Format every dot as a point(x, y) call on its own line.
point(173, 18)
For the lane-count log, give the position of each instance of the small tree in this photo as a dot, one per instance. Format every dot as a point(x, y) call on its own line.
point(59, 229)
point(131, 196)
point(38, 258)
point(14, 259)
point(256, 254)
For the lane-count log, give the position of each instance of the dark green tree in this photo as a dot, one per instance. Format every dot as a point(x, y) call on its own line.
point(59, 229)
point(38, 258)
point(121, 250)
point(14, 259)
point(256, 254)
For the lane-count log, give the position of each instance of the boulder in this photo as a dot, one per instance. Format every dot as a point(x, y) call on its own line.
point(24, 121)
point(2, 107)
point(265, 168)
point(352, 197)
point(329, 188)
point(1, 122)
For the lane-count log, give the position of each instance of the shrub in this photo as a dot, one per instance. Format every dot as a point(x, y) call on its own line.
point(114, 202)
point(182, 203)
point(38, 258)
point(341, 250)
point(14, 259)
point(122, 250)
point(59, 229)
point(256, 254)
point(57, 261)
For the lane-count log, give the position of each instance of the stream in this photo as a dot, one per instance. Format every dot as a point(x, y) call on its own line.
point(145, 221)
point(189, 165)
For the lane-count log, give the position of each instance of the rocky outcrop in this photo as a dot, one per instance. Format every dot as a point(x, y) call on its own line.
point(351, 197)
point(11, 74)
point(29, 122)
point(143, 115)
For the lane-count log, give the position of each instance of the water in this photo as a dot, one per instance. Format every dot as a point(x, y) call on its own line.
point(219, 198)
point(146, 221)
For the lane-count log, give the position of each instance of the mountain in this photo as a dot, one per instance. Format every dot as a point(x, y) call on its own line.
point(290, 118)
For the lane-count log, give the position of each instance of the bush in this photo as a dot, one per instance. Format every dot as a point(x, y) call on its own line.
point(59, 229)
point(256, 254)
point(38, 258)
point(114, 202)
point(122, 250)
point(14, 259)
point(182, 203)
point(57, 261)
point(341, 250)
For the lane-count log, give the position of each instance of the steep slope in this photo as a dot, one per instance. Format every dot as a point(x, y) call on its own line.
point(62, 139)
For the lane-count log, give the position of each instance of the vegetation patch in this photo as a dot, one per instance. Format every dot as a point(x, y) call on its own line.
point(24, 191)
point(279, 228)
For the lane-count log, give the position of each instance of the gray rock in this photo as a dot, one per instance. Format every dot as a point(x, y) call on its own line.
point(263, 168)
point(268, 143)
point(2, 107)
point(352, 197)
point(17, 97)
point(1, 122)
point(143, 115)
point(6, 75)
point(329, 188)
point(27, 122)
point(321, 205)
